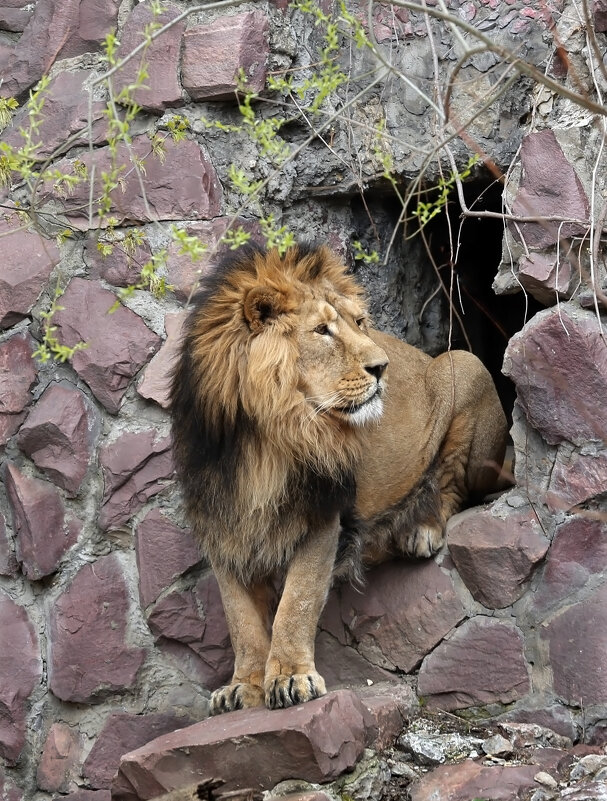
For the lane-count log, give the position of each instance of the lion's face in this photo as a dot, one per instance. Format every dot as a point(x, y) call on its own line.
point(340, 367)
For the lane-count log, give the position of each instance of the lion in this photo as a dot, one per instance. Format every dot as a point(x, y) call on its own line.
point(308, 445)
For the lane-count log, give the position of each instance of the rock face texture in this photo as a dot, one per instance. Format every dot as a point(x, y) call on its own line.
point(325, 737)
point(112, 631)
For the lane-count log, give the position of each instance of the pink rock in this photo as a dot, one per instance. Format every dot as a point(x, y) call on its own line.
point(385, 706)
point(341, 665)
point(58, 766)
point(539, 275)
point(44, 533)
point(181, 185)
point(120, 267)
point(161, 88)
point(155, 382)
point(27, 262)
point(599, 14)
point(14, 15)
point(191, 626)
point(58, 435)
point(17, 376)
point(550, 187)
point(213, 55)
point(88, 795)
point(405, 610)
point(186, 275)
point(109, 362)
point(64, 113)
point(468, 780)
point(25, 61)
point(122, 733)
point(254, 748)
point(164, 551)
point(496, 556)
point(464, 671)
point(578, 650)
point(89, 656)
point(20, 672)
point(91, 23)
point(576, 478)
point(135, 467)
point(559, 365)
point(578, 552)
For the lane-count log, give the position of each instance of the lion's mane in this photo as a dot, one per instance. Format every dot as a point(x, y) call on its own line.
point(248, 450)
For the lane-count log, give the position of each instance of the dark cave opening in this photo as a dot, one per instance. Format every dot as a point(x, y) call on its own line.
point(406, 294)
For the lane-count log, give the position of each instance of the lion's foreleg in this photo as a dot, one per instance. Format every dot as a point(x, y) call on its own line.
point(247, 613)
point(291, 676)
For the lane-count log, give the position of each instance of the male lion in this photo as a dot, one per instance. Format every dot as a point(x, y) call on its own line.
point(300, 458)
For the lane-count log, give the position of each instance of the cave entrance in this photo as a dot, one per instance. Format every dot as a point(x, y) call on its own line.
point(408, 296)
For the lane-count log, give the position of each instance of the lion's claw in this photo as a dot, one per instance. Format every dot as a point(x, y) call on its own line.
point(425, 541)
point(236, 696)
point(285, 691)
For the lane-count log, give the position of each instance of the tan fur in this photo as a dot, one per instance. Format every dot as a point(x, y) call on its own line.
point(279, 438)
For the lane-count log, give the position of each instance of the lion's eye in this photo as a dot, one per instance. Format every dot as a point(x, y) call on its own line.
point(361, 322)
point(323, 329)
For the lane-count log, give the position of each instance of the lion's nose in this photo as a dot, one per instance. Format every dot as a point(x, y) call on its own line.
point(377, 368)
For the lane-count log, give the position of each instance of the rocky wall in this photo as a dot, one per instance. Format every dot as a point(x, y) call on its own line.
point(111, 628)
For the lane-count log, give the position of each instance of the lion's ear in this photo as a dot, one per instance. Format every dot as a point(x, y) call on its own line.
point(262, 304)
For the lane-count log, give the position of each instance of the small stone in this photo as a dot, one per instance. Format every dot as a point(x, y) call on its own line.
point(578, 552)
point(121, 733)
point(564, 350)
point(94, 20)
point(155, 382)
point(161, 88)
point(214, 54)
point(89, 655)
point(65, 112)
point(108, 363)
point(497, 746)
point(543, 279)
point(58, 766)
point(405, 611)
point(164, 551)
point(577, 650)
point(44, 533)
point(496, 556)
point(121, 267)
point(546, 779)
point(589, 766)
point(183, 185)
point(17, 376)
point(27, 262)
point(550, 187)
point(135, 467)
point(20, 673)
point(58, 435)
point(462, 672)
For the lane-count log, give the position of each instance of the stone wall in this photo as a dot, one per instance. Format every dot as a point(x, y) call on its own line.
point(111, 628)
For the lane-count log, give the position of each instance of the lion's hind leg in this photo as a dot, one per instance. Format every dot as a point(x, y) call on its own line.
point(472, 450)
point(247, 610)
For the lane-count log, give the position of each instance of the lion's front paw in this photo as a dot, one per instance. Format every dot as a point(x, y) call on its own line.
point(286, 691)
point(425, 540)
point(236, 696)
